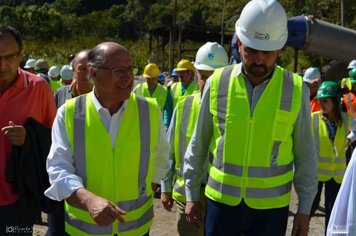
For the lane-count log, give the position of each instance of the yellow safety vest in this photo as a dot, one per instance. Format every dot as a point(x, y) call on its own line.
point(176, 91)
point(332, 159)
point(122, 174)
point(252, 157)
point(186, 116)
point(160, 93)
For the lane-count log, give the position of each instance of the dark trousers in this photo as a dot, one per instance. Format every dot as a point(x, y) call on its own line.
point(227, 220)
point(11, 222)
point(56, 222)
point(331, 190)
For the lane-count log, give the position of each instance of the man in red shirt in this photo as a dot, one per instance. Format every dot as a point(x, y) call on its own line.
point(22, 95)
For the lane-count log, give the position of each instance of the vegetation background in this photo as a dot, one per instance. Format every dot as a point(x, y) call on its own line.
point(55, 29)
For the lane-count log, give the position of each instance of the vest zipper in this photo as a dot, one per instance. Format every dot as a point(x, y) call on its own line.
point(115, 226)
point(245, 168)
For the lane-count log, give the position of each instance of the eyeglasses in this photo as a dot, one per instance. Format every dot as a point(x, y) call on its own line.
point(10, 57)
point(120, 71)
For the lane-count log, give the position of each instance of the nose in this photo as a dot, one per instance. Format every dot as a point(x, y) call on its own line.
point(259, 58)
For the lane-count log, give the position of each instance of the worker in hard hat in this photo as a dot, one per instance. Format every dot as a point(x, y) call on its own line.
point(41, 68)
point(352, 65)
point(66, 75)
point(161, 79)
point(312, 77)
point(209, 57)
point(30, 65)
point(54, 78)
point(254, 121)
point(151, 88)
point(186, 86)
point(330, 129)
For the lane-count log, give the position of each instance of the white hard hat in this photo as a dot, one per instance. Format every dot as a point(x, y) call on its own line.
point(352, 65)
point(210, 56)
point(263, 25)
point(53, 72)
point(66, 73)
point(30, 63)
point(311, 74)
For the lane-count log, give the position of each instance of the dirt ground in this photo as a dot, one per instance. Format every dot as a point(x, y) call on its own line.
point(164, 221)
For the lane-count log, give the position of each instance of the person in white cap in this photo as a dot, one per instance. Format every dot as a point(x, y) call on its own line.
point(255, 122)
point(30, 65)
point(54, 78)
point(66, 75)
point(209, 57)
point(312, 78)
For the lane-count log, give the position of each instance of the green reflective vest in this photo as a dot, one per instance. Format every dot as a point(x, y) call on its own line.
point(332, 160)
point(176, 91)
point(122, 174)
point(186, 116)
point(160, 93)
point(55, 85)
point(252, 157)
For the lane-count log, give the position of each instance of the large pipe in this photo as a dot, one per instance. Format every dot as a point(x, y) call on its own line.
point(322, 38)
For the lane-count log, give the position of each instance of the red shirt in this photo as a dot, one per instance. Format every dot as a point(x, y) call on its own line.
point(29, 96)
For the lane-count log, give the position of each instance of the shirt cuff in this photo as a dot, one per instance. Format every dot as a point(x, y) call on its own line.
point(193, 194)
point(305, 205)
point(166, 187)
point(62, 189)
point(159, 174)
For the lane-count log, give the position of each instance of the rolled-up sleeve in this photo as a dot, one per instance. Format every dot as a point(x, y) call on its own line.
point(305, 157)
point(60, 167)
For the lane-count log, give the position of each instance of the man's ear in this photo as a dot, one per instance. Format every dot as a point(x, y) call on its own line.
point(92, 72)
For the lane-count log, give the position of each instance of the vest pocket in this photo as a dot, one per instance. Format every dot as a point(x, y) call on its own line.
point(282, 125)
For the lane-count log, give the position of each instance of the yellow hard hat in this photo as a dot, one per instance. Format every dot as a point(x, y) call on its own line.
point(151, 71)
point(184, 64)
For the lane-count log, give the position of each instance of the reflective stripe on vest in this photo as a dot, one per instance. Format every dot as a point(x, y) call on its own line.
point(332, 160)
point(223, 175)
point(142, 202)
point(186, 115)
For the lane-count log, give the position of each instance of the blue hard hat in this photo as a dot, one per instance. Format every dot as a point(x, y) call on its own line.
point(174, 72)
point(161, 77)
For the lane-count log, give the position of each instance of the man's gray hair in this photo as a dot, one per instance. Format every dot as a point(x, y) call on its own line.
point(96, 57)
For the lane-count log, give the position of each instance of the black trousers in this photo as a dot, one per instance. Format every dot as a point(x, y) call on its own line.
point(11, 222)
point(331, 190)
point(237, 220)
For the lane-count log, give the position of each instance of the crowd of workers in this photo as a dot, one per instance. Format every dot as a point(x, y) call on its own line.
point(224, 141)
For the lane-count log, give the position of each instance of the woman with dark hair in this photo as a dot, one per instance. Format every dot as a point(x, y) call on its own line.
point(330, 128)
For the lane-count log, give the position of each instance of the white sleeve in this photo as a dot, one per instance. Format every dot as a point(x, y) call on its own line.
point(60, 167)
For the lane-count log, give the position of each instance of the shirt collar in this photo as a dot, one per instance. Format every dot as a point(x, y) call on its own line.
point(99, 107)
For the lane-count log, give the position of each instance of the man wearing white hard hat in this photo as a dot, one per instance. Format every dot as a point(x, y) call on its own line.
point(30, 65)
point(255, 122)
point(54, 78)
point(66, 75)
point(209, 57)
point(312, 78)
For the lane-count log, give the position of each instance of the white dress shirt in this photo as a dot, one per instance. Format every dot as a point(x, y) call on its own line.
point(60, 167)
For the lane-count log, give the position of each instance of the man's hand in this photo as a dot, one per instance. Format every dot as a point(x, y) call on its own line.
point(193, 213)
point(101, 210)
point(167, 201)
point(300, 225)
point(15, 133)
point(104, 212)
